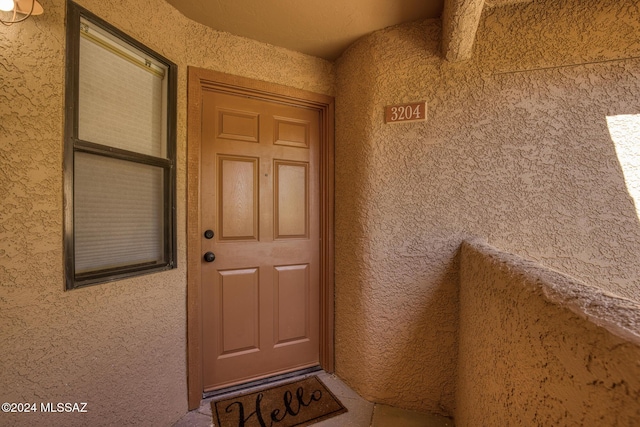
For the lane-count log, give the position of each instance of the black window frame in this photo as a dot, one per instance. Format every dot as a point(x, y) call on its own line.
point(73, 144)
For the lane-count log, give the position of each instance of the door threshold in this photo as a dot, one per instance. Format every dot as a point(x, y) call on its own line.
point(261, 382)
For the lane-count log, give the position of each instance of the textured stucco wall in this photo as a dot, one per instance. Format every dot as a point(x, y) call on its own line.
point(121, 347)
point(539, 348)
point(516, 149)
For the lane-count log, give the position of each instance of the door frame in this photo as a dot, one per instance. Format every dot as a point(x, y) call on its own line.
point(199, 80)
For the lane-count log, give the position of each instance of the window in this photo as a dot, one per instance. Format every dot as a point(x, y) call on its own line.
point(119, 155)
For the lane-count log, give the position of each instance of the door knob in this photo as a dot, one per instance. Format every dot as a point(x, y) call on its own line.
point(208, 234)
point(209, 257)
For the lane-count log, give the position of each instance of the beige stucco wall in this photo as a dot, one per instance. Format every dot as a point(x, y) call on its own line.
point(517, 149)
point(121, 347)
point(540, 348)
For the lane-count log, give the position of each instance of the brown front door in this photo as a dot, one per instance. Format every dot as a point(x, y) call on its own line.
point(260, 195)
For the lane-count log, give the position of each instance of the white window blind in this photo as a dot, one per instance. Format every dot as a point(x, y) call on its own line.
point(122, 96)
point(118, 213)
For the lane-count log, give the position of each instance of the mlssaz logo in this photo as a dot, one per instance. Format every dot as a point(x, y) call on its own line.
point(63, 407)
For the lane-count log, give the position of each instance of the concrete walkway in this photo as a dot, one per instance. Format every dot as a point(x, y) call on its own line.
point(361, 413)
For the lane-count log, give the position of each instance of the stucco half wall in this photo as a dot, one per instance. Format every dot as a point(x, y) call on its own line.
point(120, 347)
point(516, 149)
point(540, 348)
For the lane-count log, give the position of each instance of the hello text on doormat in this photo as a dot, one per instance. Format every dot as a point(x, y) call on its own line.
point(299, 404)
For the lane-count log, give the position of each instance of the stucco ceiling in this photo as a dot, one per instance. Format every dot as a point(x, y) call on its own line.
point(322, 28)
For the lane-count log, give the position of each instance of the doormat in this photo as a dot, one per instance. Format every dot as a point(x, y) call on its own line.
point(300, 403)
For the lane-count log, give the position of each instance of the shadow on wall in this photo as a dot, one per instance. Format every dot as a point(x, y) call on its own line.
point(540, 348)
point(353, 258)
point(556, 172)
point(396, 277)
point(557, 79)
point(421, 332)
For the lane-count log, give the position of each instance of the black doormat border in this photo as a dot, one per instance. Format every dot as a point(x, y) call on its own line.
point(298, 403)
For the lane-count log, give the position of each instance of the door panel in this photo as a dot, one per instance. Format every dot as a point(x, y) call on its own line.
point(239, 311)
point(292, 132)
point(291, 199)
point(238, 125)
point(238, 198)
point(260, 190)
point(291, 315)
